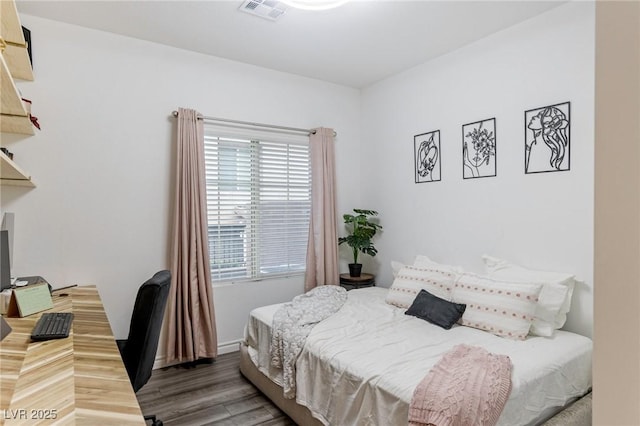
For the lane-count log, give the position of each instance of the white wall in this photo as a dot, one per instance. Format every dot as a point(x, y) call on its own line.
point(103, 161)
point(541, 221)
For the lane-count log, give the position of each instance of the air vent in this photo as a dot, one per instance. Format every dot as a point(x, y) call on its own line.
point(267, 9)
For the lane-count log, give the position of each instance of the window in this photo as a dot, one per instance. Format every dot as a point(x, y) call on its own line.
point(258, 203)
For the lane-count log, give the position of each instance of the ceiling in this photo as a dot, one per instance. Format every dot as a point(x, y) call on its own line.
point(354, 45)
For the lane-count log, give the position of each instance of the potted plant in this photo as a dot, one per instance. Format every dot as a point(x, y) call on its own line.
point(361, 231)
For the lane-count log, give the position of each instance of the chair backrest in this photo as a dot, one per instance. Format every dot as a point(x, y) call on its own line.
point(139, 350)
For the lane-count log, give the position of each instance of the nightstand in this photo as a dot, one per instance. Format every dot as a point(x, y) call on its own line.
point(364, 280)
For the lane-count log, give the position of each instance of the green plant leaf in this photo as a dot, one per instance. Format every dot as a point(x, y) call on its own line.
point(361, 231)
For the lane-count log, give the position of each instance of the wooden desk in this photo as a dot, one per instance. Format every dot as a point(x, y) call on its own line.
point(79, 380)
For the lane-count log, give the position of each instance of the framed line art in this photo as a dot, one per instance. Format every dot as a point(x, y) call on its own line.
point(426, 156)
point(479, 149)
point(547, 139)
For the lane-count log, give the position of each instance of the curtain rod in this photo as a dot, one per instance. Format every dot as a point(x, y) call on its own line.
point(249, 123)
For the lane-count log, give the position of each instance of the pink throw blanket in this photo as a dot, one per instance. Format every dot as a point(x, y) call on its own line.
point(467, 387)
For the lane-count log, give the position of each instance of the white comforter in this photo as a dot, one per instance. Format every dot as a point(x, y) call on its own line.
point(293, 322)
point(361, 365)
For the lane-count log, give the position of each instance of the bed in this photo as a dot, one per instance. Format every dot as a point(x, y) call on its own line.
point(361, 365)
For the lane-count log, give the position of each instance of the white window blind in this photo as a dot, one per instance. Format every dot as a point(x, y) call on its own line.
point(258, 202)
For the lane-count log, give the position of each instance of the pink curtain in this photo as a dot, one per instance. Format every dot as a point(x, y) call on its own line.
point(322, 248)
point(191, 324)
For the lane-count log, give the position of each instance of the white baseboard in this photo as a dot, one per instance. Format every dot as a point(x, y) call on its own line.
point(228, 347)
point(223, 348)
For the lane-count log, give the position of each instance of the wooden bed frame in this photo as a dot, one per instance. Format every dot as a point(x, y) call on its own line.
point(577, 413)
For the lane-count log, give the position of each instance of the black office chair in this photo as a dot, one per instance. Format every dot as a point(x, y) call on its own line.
point(139, 350)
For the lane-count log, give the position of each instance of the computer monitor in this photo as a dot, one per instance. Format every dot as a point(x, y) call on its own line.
point(5, 261)
point(6, 250)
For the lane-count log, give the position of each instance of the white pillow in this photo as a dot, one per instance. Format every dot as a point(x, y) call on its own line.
point(555, 297)
point(424, 262)
point(395, 267)
point(411, 279)
point(499, 307)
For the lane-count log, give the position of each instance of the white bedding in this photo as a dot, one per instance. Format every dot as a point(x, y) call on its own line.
point(361, 365)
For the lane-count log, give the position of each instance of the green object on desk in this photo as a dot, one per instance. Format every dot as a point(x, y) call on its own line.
point(32, 299)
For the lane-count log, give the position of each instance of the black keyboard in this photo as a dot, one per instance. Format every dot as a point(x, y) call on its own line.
point(52, 325)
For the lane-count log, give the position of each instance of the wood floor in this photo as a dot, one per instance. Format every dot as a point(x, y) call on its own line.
point(208, 394)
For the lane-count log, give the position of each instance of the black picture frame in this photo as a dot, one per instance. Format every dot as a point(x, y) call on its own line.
point(547, 139)
point(426, 157)
point(479, 152)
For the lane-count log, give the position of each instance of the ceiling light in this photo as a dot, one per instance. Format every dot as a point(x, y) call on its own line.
point(314, 4)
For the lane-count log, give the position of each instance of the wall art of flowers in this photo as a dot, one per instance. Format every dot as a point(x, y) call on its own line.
point(479, 149)
point(426, 149)
point(547, 138)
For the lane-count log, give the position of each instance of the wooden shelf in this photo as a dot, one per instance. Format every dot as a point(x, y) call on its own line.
point(13, 42)
point(12, 174)
point(16, 124)
point(18, 62)
point(14, 64)
point(11, 99)
point(11, 26)
point(14, 117)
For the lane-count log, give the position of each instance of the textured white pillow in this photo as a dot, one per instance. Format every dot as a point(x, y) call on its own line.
point(411, 279)
point(395, 267)
point(555, 297)
point(424, 262)
point(499, 307)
